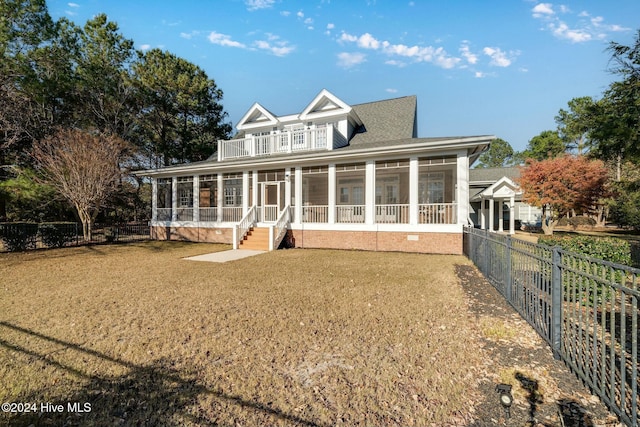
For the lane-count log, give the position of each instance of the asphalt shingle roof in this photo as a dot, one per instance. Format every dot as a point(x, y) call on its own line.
point(387, 120)
point(492, 174)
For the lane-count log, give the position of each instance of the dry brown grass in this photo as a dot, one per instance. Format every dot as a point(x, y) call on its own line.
point(294, 337)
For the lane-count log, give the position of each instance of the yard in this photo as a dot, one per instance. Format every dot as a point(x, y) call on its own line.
point(291, 337)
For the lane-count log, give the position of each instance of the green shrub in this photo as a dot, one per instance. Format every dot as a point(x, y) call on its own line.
point(606, 248)
point(57, 234)
point(18, 236)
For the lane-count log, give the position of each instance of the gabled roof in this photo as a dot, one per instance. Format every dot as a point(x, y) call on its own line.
point(386, 120)
point(257, 116)
point(503, 188)
point(325, 104)
point(488, 176)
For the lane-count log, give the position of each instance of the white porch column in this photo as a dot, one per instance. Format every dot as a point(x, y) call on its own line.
point(245, 192)
point(174, 198)
point(501, 215)
point(298, 195)
point(287, 187)
point(196, 198)
point(413, 191)
point(154, 199)
point(491, 214)
point(255, 188)
point(483, 214)
point(220, 198)
point(370, 192)
point(512, 216)
point(462, 176)
point(332, 194)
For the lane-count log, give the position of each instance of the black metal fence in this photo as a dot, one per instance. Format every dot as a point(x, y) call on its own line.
point(585, 308)
point(28, 236)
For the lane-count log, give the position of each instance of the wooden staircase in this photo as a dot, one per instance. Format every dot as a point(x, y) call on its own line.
point(257, 238)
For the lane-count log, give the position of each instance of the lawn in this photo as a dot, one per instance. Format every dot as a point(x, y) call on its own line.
point(291, 337)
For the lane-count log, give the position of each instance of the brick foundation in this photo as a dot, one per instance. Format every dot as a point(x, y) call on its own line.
point(392, 241)
point(193, 234)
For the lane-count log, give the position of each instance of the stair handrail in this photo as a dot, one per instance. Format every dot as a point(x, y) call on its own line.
point(280, 228)
point(242, 228)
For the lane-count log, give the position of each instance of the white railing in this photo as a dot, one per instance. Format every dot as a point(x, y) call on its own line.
point(392, 214)
point(231, 213)
point(269, 213)
point(240, 230)
point(437, 213)
point(184, 214)
point(279, 229)
point(163, 214)
point(209, 214)
point(281, 142)
point(315, 214)
point(350, 214)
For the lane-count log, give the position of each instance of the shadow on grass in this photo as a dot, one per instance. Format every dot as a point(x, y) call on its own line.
point(158, 394)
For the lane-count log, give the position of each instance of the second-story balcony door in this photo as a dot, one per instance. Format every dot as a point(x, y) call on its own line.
point(272, 200)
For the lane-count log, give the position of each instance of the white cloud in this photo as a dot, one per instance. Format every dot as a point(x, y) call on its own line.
point(582, 28)
point(393, 62)
point(480, 74)
point(330, 26)
point(73, 5)
point(543, 9)
point(300, 14)
point(498, 57)
point(390, 90)
point(258, 4)
point(190, 35)
point(275, 46)
point(348, 60)
point(471, 58)
point(308, 21)
point(431, 54)
point(285, 13)
point(145, 46)
point(367, 41)
point(224, 40)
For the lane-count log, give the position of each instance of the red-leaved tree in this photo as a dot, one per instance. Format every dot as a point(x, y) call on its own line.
point(562, 185)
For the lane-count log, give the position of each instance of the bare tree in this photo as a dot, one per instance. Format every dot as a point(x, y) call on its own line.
point(83, 167)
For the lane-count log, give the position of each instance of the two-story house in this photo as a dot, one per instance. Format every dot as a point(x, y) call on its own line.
point(332, 176)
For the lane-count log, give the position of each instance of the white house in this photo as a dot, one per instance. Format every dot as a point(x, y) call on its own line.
point(332, 176)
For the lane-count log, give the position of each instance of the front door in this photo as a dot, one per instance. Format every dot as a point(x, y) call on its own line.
point(272, 195)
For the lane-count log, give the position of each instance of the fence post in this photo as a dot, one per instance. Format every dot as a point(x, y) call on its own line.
point(507, 270)
point(556, 304)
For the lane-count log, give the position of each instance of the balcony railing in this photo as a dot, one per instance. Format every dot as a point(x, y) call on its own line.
point(208, 214)
point(281, 142)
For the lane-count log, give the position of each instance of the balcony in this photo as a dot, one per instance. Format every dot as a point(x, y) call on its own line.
point(325, 138)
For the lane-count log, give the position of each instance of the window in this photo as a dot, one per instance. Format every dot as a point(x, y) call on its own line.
point(431, 187)
point(351, 191)
point(387, 190)
point(232, 190)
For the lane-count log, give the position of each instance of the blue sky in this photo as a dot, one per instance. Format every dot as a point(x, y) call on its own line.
point(502, 67)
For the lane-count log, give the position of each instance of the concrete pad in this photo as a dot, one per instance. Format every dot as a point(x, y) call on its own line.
point(225, 256)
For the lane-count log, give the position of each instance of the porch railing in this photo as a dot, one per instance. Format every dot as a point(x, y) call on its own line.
point(350, 214)
point(316, 213)
point(209, 214)
point(281, 142)
point(585, 308)
point(184, 214)
point(278, 231)
point(392, 214)
point(242, 228)
point(231, 213)
point(163, 214)
point(437, 213)
point(269, 213)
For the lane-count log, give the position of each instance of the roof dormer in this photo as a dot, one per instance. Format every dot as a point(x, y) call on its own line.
point(257, 117)
point(325, 104)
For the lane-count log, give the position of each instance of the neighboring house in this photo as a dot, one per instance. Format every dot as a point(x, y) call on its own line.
point(332, 176)
point(496, 200)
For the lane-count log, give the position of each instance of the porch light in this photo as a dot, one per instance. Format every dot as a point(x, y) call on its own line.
point(506, 398)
